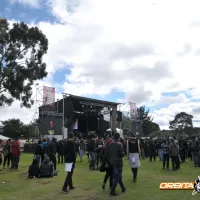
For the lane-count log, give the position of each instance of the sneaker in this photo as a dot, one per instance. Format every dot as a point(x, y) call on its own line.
point(113, 194)
point(124, 190)
point(134, 179)
point(65, 191)
point(72, 188)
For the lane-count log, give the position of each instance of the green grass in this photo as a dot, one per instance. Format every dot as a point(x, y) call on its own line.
point(88, 183)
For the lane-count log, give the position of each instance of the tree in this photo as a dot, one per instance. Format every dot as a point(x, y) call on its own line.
point(182, 123)
point(13, 128)
point(21, 52)
point(148, 125)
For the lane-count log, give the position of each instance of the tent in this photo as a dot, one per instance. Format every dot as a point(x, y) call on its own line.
point(120, 131)
point(3, 137)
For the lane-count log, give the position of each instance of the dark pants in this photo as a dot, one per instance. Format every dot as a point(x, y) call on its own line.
point(42, 158)
point(134, 171)
point(109, 174)
point(117, 178)
point(68, 180)
point(53, 159)
point(175, 162)
point(15, 162)
point(152, 154)
point(6, 160)
point(98, 159)
point(1, 160)
point(195, 158)
point(60, 157)
point(166, 160)
point(183, 155)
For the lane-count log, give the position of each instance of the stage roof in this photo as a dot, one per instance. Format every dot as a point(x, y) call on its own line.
point(91, 99)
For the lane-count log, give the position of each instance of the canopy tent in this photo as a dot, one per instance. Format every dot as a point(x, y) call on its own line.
point(120, 131)
point(3, 137)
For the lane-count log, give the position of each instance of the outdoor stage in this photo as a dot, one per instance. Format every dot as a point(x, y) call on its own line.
point(78, 114)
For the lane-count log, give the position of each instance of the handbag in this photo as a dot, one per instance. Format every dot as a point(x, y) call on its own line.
point(102, 167)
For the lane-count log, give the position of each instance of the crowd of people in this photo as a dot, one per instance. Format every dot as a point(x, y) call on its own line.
point(104, 155)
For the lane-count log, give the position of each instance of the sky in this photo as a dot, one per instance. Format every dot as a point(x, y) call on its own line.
point(146, 52)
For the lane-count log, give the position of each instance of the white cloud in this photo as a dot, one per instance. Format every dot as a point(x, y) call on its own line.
point(32, 3)
point(142, 48)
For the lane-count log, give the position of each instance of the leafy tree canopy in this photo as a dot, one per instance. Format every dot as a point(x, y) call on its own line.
point(182, 123)
point(21, 51)
point(13, 128)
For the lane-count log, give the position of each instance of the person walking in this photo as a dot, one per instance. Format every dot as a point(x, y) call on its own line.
point(108, 166)
point(70, 160)
point(115, 155)
point(134, 154)
point(7, 154)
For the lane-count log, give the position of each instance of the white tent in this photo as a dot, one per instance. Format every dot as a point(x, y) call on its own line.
point(3, 137)
point(120, 131)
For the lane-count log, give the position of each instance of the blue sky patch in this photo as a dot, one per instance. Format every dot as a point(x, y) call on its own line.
point(26, 13)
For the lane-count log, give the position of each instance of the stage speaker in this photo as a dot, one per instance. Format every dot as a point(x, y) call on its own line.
point(118, 116)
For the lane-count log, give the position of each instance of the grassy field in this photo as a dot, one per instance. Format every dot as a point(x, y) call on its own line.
point(88, 183)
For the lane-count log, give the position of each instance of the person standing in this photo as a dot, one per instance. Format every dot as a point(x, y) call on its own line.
point(108, 166)
point(173, 152)
point(82, 149)
point(92, 150)
point(52, 152)
point(115, 155)
point(165, 154)
point(60, 151)
point(152, 150)
point(7, 154)
point(15, 149)
point(70, 160)
point(38, 151)
point(134, 154)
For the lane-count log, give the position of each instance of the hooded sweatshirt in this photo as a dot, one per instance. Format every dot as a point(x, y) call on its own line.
point(46, 169)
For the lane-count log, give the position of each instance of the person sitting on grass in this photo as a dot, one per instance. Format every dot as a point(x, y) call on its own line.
point(46, 168)
point(34, 170)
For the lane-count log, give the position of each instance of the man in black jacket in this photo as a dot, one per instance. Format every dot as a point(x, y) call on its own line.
point(70, 158)
point(115, 155)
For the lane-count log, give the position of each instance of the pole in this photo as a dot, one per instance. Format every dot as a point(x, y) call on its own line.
point(63, 114)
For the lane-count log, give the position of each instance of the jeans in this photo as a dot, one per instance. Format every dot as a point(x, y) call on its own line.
point(92, 159)
point(15, 162)
point(68, 180)
point(195, 158)
point(6, 160)
point(82, 153)
point(117, 178)
point(37, 157)
point(160, 153)
point(109, 174)
point(166, 160)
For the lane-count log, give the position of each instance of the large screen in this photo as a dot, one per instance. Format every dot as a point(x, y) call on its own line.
point(51, 125)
